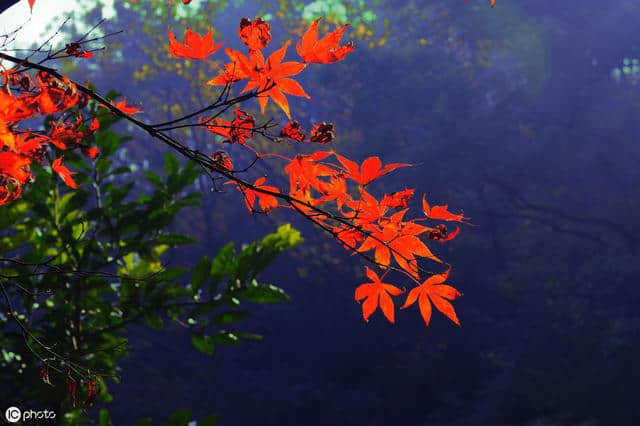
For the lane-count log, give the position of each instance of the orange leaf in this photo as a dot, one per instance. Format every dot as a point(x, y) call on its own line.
point(275, 72)
point(15, 166)
point(432, 290)
point(63, 172)
point(370, 170)
point(265, 201)
point(441, 212)
point(127, 109)
point(304, 171)
point(398, 199)
point(376, 293)
point(195, 45)
point(326, 50)
point(255, 34)
point(263, 74)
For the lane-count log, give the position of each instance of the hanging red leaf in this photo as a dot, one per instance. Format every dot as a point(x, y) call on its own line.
point(432, 290)
point(63, 172)
point(376, 293)
point(265, 201)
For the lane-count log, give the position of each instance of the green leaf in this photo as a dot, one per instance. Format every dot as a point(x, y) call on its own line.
point(154, 178)
point(226, 318)
point(262, 293)
point(76, 200)
point(249, 336)
point(154, 321)
point(201, 273)
point(10, 213)
point(180, 418)
point(203, 343)
point(111, 94)
point(104, 419)
point(120, 170)
point(211, 420)
point(116, 195)
point(169, 274)
point(108, 142)
point(223, 264)
point(171, 164)
point(175, 239)
point(147, 421)
point(225, 338)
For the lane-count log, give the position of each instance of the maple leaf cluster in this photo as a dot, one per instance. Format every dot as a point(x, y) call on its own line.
point(326, 187)
point(23, 97)
point(270, 76)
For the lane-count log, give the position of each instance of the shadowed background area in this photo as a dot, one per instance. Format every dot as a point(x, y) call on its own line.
point(525, 116)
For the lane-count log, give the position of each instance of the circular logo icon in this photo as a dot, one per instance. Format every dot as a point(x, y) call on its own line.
point(12, 414)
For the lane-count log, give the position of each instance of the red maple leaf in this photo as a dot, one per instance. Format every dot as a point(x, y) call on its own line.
point(265, 201)
point(15, 166)
point(370, 170)
point(400, 239)
point(238, 130)
point(304, 171)
point(366, 210)
point(376, 293)
point(398, 199)
point(127, 109)
point(63, 172)
point(335, 189)
point(441, 212)
point(326, 50)
point(239, 68)
point(274, 72)
point(195, 45)
point(432, 290)
point(255, 34)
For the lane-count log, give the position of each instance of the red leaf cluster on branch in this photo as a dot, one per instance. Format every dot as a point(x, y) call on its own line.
point(22, 98)
point(328, 188)
point(325, 187)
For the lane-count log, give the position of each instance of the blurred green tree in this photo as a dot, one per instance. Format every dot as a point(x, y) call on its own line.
point(79, 267)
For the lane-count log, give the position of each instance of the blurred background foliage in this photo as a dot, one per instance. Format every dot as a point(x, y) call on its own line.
point(515, 114)
point(117, 236)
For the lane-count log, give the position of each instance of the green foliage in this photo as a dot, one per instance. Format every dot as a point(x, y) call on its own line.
point(117, 234)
